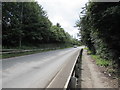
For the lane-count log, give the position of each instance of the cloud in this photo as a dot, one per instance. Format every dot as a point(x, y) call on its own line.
point(65, 12)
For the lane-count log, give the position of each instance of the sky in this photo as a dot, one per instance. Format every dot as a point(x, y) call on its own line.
point(65, 12)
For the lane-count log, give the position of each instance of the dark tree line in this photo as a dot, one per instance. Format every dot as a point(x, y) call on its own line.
point(100, 29)
point(26, 23)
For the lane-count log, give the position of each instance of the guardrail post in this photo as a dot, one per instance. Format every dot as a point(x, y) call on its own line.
point(73, 82)
point(81, 51)
point(77, 70)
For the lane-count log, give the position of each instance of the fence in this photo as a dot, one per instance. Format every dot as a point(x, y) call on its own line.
point(76, 72)
point(30, 49)
point(67, 77)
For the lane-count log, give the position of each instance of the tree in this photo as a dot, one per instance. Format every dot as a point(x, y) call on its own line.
point(100, 27)
point(24, 22)
point(27, 24)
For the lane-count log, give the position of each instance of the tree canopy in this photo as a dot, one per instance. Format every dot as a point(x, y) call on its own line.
point(26, 23)
point(99, 29)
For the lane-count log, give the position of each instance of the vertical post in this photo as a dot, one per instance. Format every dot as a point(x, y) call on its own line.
point(0, 26)
point(118, 71)
point(81, 51)
point(1, 43)
point(73, 82)
point(20, 38)
point(77, 70)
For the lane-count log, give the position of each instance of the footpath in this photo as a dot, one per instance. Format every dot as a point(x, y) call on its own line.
point(91, 75)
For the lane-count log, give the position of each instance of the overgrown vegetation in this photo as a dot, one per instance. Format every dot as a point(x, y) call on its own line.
point(99, 30)
point(100, 61)
point(26, 24)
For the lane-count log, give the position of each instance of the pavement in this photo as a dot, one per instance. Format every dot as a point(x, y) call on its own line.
point(36, 70)
point(92, 77)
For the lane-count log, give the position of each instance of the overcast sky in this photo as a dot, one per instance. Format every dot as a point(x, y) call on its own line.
point(65, 12)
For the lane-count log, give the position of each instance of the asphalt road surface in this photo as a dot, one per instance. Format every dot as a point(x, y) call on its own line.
point(36, 70)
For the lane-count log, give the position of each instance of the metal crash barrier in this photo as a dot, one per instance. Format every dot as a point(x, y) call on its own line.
point(67, 77)
point(76, 72)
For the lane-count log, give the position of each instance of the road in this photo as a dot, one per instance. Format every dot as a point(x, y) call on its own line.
point(36, 70)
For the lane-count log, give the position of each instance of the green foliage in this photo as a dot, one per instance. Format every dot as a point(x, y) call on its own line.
point(75, 41)
point(100, 61)
point(27, 24)
point(99, 29)
point(85, 32)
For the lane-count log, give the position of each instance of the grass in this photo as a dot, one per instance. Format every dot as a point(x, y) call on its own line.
point(100, 61)
point(86, 48)
point(88, 51)
point(106, 63)
point(0, 56)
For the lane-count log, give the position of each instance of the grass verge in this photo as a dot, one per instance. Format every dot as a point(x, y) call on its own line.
point(9, 55)
point(108, 67)
point(100, 61)
point(110, 71)
point(0, 56)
